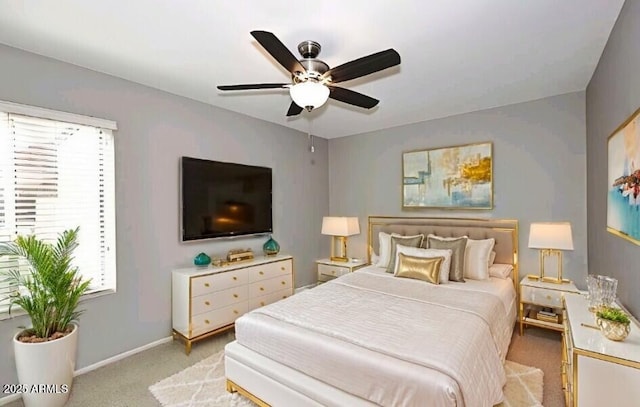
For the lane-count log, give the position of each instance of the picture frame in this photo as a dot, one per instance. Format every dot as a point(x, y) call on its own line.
point(457, 177)
point(623, 180)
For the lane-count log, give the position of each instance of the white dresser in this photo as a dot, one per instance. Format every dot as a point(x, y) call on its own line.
point(597, 371)
point(206, 301)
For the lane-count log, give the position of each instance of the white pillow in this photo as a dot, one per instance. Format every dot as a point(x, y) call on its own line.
point(500, 270)
point(476, 258)
point(427, 253)
point(384, 248)
point(374, 259)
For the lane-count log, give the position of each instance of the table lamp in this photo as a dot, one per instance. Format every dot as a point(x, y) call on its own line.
point(551, 238)
point(339, 228)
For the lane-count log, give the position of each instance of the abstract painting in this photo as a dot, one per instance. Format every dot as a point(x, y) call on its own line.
point(623, 189)
point(459, 177)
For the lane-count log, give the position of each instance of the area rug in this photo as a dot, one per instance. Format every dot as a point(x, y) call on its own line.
point(203, 384)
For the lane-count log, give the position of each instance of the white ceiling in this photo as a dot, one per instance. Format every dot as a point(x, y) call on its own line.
point(457, 55)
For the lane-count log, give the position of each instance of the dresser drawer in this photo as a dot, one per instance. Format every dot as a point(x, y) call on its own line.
point(264, 287)
point(218, 318)
point(327, 272)
point(269, 270)
point(218, 299)
point(217, 282)
point(258, 302)
point(541, 296)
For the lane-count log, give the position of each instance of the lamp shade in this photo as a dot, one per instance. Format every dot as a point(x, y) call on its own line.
point(309, 94)
point(340, 226)
point(551, 235)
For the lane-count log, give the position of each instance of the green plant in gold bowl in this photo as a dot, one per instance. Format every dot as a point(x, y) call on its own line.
point(614, 323)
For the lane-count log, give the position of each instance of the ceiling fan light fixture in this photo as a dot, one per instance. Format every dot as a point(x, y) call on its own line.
point(309, 94)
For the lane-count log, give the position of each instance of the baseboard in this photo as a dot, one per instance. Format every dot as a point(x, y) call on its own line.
point(121, 356)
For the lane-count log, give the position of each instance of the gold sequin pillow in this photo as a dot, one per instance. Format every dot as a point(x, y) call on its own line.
point(419, 268)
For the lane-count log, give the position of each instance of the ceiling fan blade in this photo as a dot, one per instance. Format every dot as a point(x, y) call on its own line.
point(294, 109)
point(352, 98)
point(255, 86)
point(364, 66)
point(279, 51)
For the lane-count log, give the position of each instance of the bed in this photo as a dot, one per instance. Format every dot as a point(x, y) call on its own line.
point(369, 338)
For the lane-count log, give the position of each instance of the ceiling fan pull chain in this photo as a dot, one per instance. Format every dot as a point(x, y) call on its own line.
point(311, 147)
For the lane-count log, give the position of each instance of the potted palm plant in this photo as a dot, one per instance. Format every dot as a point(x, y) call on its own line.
point(45, 353)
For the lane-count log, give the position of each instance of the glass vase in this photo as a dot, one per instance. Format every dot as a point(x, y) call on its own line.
point(271, 247)
point(202, 260)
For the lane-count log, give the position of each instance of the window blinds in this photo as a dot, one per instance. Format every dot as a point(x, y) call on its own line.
point(55, 176)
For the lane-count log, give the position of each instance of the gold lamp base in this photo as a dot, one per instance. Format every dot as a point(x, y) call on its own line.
point(343, 252)
point(544, 253)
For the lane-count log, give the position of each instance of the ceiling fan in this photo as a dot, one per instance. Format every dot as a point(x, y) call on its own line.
point(312, 81)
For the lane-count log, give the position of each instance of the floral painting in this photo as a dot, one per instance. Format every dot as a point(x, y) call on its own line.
point(623, 191)
point(459, 177)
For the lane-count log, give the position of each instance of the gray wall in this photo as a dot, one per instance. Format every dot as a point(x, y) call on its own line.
point(155, 129)
point(612, 96)
point(539, 166)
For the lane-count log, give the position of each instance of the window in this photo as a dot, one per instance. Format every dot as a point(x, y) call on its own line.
point(57, 175)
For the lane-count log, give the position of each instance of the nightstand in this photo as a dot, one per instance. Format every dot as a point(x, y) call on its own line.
point(328, 270)
point(541, 303)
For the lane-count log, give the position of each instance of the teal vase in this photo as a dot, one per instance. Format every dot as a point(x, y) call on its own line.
point(271, 247)
point(202, 260)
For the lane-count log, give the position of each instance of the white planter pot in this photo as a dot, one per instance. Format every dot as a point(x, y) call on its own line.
point(45, 370)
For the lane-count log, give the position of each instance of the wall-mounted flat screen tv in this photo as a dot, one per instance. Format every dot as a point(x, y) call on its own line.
point(220, 199)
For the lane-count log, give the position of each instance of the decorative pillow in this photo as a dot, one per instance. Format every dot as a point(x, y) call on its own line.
point(500, 270)
point(411, 241)
point(457, 245)
point(476, 258)
point(429, 253)
point(384, 248)
point(419, 268)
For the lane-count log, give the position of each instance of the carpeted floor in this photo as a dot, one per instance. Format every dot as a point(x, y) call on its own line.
point(203, 384)
point(125, 383)
point(541, 348)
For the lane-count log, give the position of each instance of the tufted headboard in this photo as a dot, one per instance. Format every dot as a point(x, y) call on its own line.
point(504, 231)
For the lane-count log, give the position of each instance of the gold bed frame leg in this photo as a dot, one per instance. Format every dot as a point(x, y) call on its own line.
point(230, 388)
point(234, 388)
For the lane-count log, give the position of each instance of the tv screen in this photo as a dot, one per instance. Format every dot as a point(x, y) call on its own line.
point(222, 199)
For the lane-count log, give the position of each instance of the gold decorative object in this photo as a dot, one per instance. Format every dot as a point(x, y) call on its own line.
point(616, 331)
point(239, 255)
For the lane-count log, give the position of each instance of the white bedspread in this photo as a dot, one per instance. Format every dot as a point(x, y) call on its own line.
point(430, 345)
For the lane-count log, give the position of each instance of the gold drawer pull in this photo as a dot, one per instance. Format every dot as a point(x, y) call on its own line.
point(282, 268)
point(283, 282)
point(261, 288)
point(206, 321)
point(235, 312)
point(262, 303)
point(235, 278)
point(235, 295)
point(207, 303)
point(206, 284)
point(333, 272)
point(548, 297)
point(284, 296)
point(261, 273)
